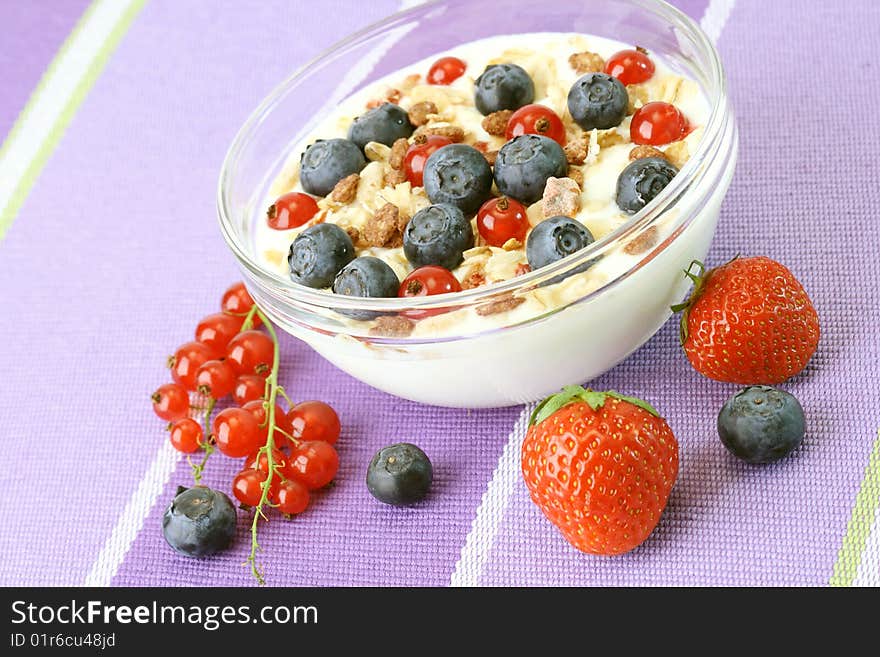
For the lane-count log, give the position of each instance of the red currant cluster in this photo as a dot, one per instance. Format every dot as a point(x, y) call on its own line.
point(286, 454)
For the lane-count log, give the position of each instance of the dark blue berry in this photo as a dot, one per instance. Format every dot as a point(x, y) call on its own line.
point(400, 474)
point(524, 164)
point(641, 181)
point(200, 521)
point(555, 238)
point(384, 124)
point(598, 100)
point(760, 424)
point(459, 175)
point(503, 87)
point(437, 235)
point(318, 253)
point(326, 162)
point(366, 277)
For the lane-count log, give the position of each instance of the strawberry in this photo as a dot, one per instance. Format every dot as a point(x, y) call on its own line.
point(749, 322)
point(600, 466)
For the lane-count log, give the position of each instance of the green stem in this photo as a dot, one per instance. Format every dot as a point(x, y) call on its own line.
point(199, 468)
point(271, 395)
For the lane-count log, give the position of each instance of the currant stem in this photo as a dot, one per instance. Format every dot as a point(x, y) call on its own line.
point(199, 468)
point(271, 394)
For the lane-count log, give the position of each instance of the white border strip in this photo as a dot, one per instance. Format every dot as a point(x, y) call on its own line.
point(478, 544)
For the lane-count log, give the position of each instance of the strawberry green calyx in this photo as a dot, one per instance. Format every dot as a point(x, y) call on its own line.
point(593, 398)
point(684, 307)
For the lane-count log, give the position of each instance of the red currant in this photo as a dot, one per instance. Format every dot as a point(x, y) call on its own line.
point(251, 352)
point(291, 210)
point(247, 486)
point(428, 281)
point(446, 70)
point(279, 461)
point(236, 432)
point(313, 463)
point(187, 360)
point(237, 301)
point(258, 410)
point(502, 219)
point(418, 154)
point(314, 420)
point(215, 379)
point(248, 387)
point(171, 401)
point(657, 123)
point(292, 497)
point(186, 435)
point(217, 330)
point(536, 120)
point(630, 66)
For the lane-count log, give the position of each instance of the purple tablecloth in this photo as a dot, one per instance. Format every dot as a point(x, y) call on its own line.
point(114, 255)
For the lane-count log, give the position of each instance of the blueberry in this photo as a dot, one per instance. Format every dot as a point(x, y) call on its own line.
point(400, 474)
point(384, 124)
point(555, 238)
point(459, 175)
point(366, 277)
point(200, 521)
point(641, 181)
point(598, 100)
point(503, 87)
point(326, 162)
point(318, 253)
point(760, 424)
point(524, 163)
point(437, 235)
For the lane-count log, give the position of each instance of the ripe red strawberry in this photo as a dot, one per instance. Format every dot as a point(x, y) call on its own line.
point(748, 322)
point(600, 466)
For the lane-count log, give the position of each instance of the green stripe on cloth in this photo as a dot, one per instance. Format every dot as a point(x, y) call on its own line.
point(868, 499)
point(67, 112)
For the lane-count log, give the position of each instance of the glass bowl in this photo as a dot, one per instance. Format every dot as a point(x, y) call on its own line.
point(521, 339)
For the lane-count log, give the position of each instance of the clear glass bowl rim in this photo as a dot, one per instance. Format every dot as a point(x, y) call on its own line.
point(666, 200)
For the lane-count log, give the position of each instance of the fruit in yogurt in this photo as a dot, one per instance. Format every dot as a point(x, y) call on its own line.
point(749, 321)
point(290, 210)
point(657, 123)
point(199, 522)
point(400, 475)
point(458, 175)
point(501, 220)
point(446, 70)
point(630, 66)
point(641, 181)
point(437, 235)
point(366, 276)
point(600, 466)
point(536, 120)
point(318, 254)
point(503, 87)
point(417, 155)
point(760, 424)
point(525, 163)
point(598, 101)
point(326, 162)
point(555, 238)
point(384, 124)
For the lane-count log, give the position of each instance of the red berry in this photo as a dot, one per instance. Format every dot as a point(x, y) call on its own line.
point(217, 330)
point(248, 486)
point(251, 352)
point(237, 301)
point(236, 432)
point(630, 66)
point(314, 420)
point(187, 360)
point(248, 387)
point(186, 435)
point(258, 410)
point(313, 463)
point(171, 401)
point(502, 219)
point(279, 461)
point(418, 154)
point(446, 70)
point(215, 379)
point(427, 281)
point(657, 123)
point(291, 210)
point(292, 497)
point(536, 120)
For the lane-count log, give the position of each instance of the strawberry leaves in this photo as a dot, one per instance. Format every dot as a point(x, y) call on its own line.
point(593, 398)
